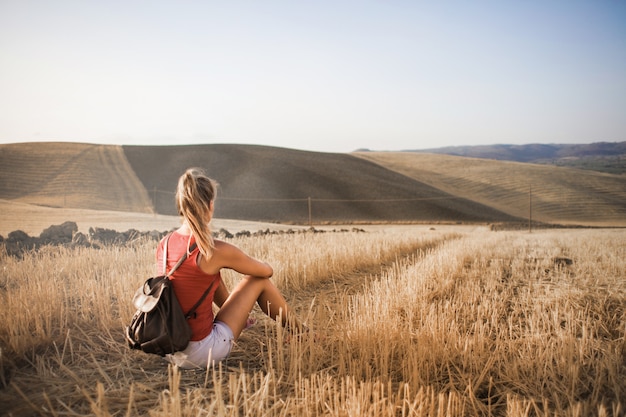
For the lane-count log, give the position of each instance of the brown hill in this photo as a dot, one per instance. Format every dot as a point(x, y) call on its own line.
point(71, 175)
point(275, 184)
point(559, 195)
point(285, 185)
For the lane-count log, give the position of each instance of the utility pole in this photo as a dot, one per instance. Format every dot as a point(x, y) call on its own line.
point(530, 208)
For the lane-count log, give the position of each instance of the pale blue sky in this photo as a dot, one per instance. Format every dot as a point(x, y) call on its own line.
point(329, 76)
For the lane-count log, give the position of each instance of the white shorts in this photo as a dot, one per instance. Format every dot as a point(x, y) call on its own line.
point(213, 348)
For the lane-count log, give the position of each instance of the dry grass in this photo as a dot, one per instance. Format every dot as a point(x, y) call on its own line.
point(406, 324)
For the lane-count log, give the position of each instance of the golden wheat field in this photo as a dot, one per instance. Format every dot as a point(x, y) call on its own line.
point(410, 322)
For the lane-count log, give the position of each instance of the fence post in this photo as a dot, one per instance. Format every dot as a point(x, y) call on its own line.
point(310, 219)
point(530, 208)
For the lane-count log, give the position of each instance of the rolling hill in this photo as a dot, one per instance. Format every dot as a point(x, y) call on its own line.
point(71, 175)
point(272, 184)
point(558, 195)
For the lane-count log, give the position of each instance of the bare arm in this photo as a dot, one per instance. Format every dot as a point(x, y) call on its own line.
point(237, 260)
point(226, 255)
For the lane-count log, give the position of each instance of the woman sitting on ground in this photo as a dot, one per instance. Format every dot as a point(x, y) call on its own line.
point(212, 337)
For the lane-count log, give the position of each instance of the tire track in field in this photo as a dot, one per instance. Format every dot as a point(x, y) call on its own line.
point(319, 305)
point(331, 294)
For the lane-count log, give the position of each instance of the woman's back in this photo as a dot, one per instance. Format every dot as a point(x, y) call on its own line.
point(190, 282)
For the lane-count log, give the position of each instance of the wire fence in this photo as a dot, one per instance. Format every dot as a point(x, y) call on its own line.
point(534, 205)
point(537, 203)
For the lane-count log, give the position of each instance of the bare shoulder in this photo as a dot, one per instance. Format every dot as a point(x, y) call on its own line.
point(224, 252)
point(221, 256)
point(224, 247)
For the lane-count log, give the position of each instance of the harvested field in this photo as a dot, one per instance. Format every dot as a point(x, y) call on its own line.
point(413, 323)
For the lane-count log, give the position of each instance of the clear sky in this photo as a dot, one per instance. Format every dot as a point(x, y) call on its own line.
point(322, 75)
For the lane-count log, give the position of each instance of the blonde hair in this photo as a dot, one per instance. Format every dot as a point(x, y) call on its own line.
point(194, 195)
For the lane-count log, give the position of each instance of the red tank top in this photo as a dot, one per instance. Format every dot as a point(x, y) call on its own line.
point(189, 283)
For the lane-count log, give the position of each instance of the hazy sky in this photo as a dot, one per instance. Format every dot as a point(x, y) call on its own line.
point(317, 75)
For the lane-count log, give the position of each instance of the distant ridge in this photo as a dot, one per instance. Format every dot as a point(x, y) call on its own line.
point(599, 156)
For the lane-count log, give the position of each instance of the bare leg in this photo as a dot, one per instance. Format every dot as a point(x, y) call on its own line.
point(250, 290)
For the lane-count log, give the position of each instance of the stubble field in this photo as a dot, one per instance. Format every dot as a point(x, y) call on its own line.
point(407, 322)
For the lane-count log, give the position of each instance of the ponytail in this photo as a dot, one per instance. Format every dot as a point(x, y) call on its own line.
point(194, 195)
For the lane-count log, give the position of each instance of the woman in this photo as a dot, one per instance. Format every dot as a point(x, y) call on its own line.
point(212, 337)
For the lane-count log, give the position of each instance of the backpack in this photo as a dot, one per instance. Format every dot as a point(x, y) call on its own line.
point(159, 325)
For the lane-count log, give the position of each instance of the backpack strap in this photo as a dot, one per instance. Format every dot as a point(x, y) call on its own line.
point(165, 253)
point(180, 261)
point(192, 312)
